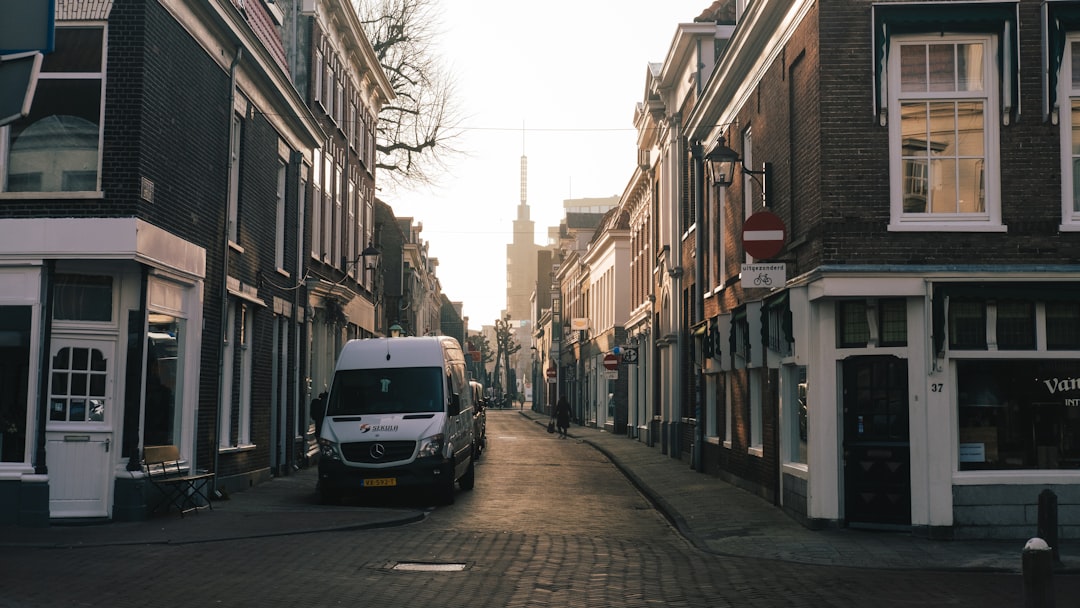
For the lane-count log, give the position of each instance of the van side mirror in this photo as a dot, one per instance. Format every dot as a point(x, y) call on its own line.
point(455, 405)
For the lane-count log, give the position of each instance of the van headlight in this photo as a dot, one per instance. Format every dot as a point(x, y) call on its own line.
point(430, 446)
point(329, 449)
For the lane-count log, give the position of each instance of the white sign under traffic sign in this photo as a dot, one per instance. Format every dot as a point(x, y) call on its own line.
point(764, 276)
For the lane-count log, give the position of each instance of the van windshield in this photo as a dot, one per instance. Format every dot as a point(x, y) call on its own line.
point(386, 391)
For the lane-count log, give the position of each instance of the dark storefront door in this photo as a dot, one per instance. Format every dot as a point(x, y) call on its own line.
point(877, 462)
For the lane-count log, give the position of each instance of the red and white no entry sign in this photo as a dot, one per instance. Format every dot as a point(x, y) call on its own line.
point(763, 235)
point(551, 373)
point(611, 361)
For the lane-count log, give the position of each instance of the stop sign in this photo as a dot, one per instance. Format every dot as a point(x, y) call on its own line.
point(611, 361)
point(763, 235)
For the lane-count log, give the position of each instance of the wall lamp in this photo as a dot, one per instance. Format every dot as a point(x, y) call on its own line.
point(722, 161)
point(369, 252)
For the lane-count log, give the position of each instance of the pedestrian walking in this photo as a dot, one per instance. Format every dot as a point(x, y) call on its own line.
point(562, 416)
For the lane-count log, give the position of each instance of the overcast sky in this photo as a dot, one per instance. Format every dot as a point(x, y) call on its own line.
point(556, 81)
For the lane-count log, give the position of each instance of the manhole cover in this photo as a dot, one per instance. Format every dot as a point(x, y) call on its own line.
point(427, 567)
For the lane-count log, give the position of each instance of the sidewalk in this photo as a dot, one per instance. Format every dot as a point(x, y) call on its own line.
point(722, 519)
point(279, 507)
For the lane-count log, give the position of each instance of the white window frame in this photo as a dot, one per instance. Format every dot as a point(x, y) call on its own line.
point(340, 187)
point(729, 413)
point(318, 68)
point(989, 220)
point(756, 435)
point(329, 179)
point(1069, 93)
point(239, 339)
point(236, 128)
point(352, 229)
point(5, 131)
point(792, 391)
point(712, 420)
point(279, 218)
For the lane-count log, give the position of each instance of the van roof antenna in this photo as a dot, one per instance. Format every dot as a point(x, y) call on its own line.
point(387, 348)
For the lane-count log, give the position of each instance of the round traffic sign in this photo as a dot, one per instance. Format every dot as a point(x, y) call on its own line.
point(611, 361)
point(763, 235)
point(551, 372)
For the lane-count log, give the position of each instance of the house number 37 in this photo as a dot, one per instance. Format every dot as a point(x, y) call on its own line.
point(936, 387)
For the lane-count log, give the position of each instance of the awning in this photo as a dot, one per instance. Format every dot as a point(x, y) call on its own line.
point(1059, 18)
point(781, 304)
point(998, 18)
point(1016, 290)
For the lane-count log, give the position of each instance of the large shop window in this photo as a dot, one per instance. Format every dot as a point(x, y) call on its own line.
point(1018, 414)
point(945, 74)
point(164, 380)
point(57, 147)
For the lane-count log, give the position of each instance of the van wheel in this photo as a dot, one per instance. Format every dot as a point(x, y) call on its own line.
point(468, 480)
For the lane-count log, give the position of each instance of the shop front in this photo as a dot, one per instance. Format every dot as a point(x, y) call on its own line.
point(97, 360)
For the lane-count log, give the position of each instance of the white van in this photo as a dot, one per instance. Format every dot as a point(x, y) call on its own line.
point(399, 414)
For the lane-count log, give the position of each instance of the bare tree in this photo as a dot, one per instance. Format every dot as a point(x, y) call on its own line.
point(416, 130)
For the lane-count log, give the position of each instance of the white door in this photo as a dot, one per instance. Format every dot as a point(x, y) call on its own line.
point(79, 431)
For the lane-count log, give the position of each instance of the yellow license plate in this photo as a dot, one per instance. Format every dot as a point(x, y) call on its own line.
point(380, 482)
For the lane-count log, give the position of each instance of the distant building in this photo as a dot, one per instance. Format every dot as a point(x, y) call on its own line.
point(521, 258)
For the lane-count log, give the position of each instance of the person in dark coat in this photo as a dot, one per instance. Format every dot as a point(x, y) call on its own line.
point(562, 416)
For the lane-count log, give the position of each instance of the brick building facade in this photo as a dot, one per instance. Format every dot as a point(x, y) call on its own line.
point(156, 225)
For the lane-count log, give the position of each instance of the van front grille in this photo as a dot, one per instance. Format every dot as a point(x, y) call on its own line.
point(376, 452)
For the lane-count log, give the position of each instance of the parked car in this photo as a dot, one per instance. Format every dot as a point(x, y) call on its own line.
point(480, 403)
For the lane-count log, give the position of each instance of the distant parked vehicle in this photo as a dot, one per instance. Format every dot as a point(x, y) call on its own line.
point(479, 417)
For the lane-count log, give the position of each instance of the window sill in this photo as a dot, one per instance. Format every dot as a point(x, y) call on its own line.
point(947, 227)
point(756, 451)
point(797, 469)
point(236, 449)
point(1033, 477)
point(235, 246)
point(91, 195)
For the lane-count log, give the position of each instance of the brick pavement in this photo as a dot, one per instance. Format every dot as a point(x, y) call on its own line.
point(714, 515)
point(721, 518)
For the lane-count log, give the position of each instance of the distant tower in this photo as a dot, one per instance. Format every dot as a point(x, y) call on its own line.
point(521, 253)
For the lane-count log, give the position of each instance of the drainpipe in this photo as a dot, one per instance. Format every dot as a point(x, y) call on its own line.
point(225, 266)
point(701, 237)
point(298, 318)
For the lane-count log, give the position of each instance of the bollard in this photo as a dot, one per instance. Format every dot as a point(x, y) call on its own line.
point(1038, 567)
point(1047, 527)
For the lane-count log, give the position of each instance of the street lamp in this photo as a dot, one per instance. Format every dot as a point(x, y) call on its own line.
point(722, 161)
point(369, 252)
point(395, 331)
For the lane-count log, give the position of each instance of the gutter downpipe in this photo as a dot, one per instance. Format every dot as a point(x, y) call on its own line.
point(215, 440)
point(701, 235)
point(298, 317)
